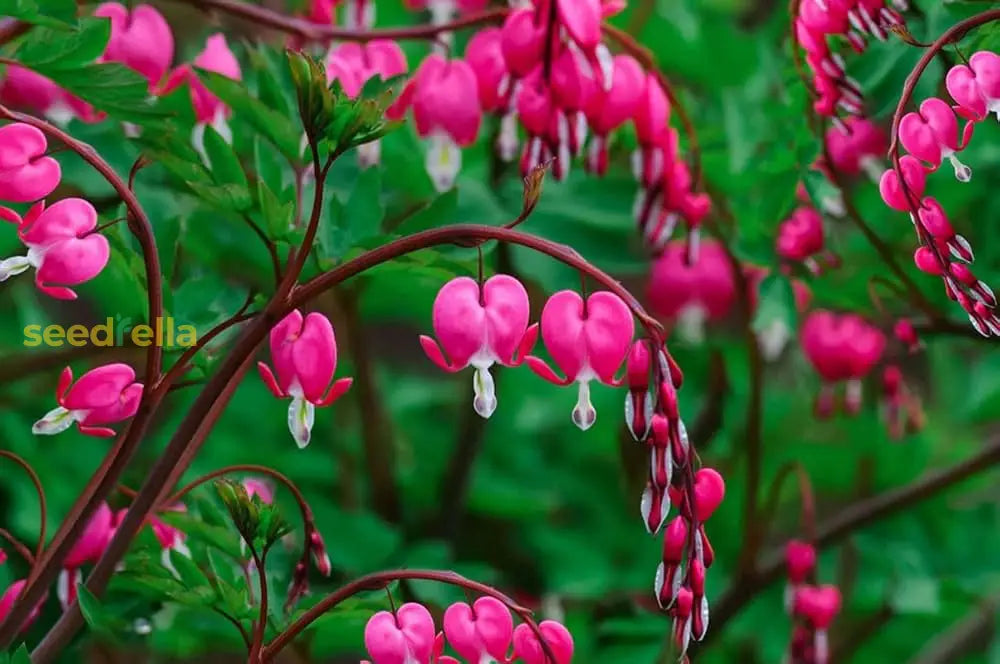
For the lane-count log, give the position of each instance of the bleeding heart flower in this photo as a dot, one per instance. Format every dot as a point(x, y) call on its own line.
point(522, 42)
point(819, 605)
point(485, 55)
point(976, 87)
point(404, 638)
point(86, 550)
point(24, 88)
point(104, 395)
point(692, 292)
point(62, 246)
point(915, 178)
point(608, 110)
point(480, 328)
point(801, 235)
point(256, 486)
point(481, 632)
point(529, 648)
point(140, 39)
point(304, 353)
point(709, 490)
point(26, 173)
point(588, 341)
point(855, 145)
point(931, 134)
point(841, 348)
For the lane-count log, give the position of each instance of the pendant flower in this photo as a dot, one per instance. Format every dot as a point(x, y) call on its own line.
point(304, 352)
point(105, 395)
point(62, 246)
point(587, 340)
point(480, 327)
point(26, 173)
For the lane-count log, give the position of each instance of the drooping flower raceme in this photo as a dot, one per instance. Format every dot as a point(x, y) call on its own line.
point(304, 353)
point(480, 327)
point(62, 247)
point(140, 39)
point(587, 341)
point(26, 173)
point(105, 395)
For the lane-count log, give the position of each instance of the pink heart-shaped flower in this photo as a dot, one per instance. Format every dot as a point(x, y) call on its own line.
point(819, 605)
point(486, 628)
point(709, 490)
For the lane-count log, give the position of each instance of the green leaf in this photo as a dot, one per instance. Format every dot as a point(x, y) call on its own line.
point(226, 168)
point(359, 220)
point(224, 196)
point(111, 87)
point(777, 303)
point(99, 618)
point(21, 656)
point(438, 212)
point(46, 50)
point(50, 13)
point(191, 575)
point(219, 537)
point(278, 128)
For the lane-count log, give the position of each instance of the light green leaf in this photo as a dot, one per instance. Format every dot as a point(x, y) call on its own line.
point(226, 168)
point(777, 303)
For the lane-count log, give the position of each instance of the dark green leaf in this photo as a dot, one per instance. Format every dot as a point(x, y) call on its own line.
point(224, 196)
point(278, 129)
point(191, 575)
point(439, 212)
point(226, 168)
point(21, 656)
point(112, 88)
point(46, 50)
point(96, 615)
point(50, 13)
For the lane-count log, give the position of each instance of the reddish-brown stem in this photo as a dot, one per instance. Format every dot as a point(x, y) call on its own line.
point(103, 480)
point(18, 546)
point(42, 509)
point(848, 520)
point(260, 628)
point(380, 580)
point(310, 31)
point(272, 251)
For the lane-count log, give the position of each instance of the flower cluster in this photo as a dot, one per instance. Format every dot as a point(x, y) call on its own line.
point(482, 632)
point(304, 353)
point(141, 39)
point(930, 135)
point(812, 607)
point(842, 348)
point(481, 325)
point(854, 20)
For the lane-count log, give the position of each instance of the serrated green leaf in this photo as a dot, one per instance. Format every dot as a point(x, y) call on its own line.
point(112, 88)
point(278, 129)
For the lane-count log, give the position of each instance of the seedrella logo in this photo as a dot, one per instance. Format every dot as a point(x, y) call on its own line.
point(117, 331)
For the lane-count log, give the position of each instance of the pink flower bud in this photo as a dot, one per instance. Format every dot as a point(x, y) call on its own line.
point(481, 631)
point(915, 177)
point(104, 395)
point(140, 39)
point(652, 113)
point(26, 173)
point(318, 550)
point(529, 649)
point(405, 637)
point(304, 353)
point(801, 235)
point(819, 604)
point(709, 490)
point(800, 559)
point(976, 87)
point(927, 262)
point(588, 341)
point(480, 327)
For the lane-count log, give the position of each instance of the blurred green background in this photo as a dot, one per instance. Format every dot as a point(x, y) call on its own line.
point(526, 501)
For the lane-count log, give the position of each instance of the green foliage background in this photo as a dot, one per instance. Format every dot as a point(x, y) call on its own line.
point(550, 511)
